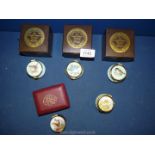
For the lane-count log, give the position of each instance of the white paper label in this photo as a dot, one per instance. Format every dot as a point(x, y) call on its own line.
point(87, 53)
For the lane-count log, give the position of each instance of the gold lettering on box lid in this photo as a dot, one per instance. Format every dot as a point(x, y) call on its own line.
point(77, 38)
point(49, 100)
point(119, 42)
point(34, 37)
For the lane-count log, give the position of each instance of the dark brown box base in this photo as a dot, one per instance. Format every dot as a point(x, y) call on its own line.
point(75, 38)
point(119, 45)
point(35, 40)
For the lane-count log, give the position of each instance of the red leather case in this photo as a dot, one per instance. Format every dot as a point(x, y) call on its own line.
point(51, 99)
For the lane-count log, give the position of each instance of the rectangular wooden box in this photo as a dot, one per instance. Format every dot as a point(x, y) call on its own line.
point(75, 38)
point(119, 44)
point(35, 40)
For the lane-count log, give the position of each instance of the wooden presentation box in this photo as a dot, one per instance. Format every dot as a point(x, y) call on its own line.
point(76, 37)
point(35, 40)
point(119, 44)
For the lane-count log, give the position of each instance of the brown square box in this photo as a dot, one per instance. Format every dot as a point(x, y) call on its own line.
point(119, 44)
point(35, 40)
point(75, 38)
